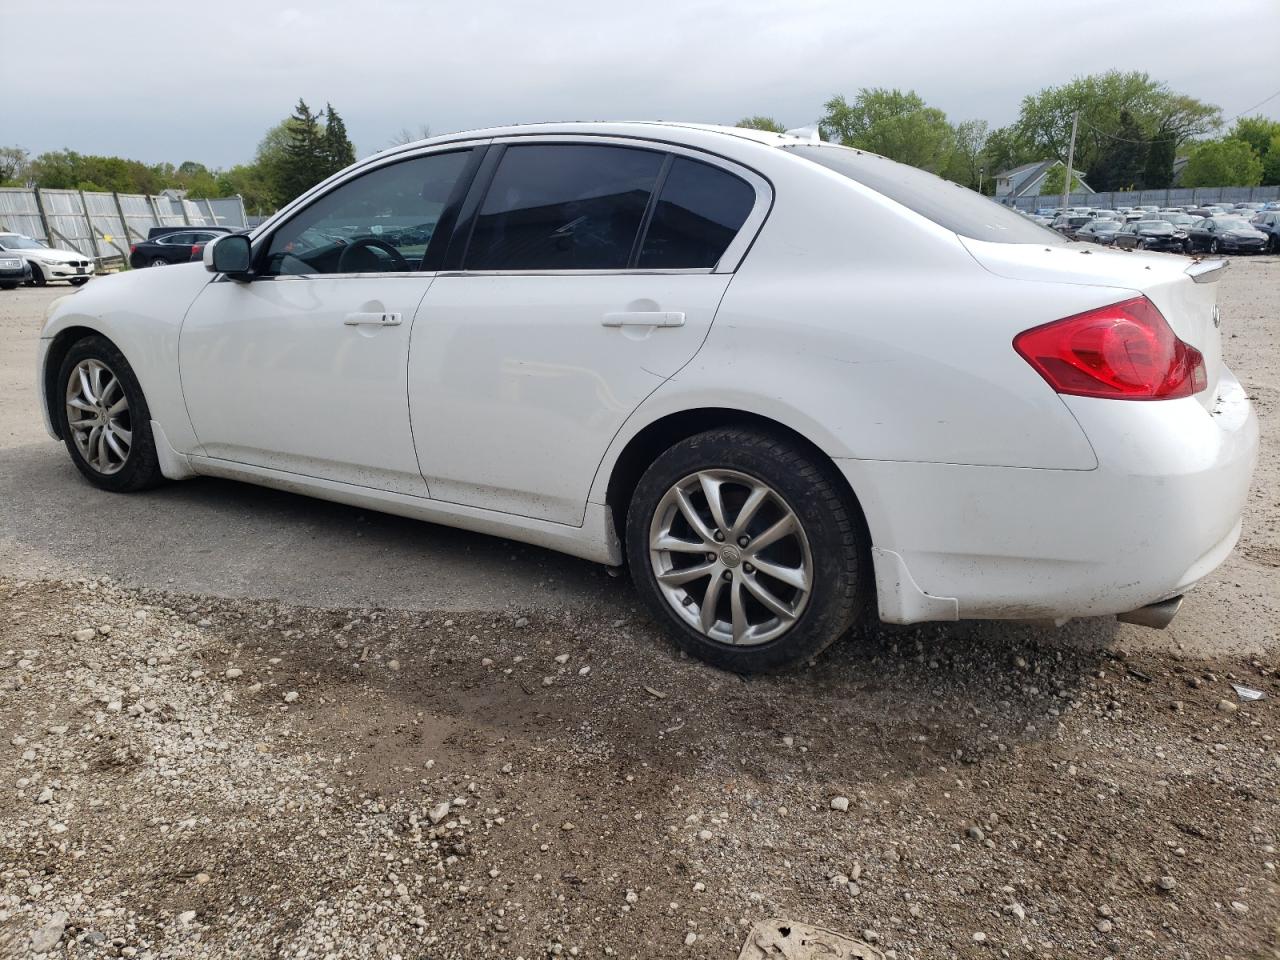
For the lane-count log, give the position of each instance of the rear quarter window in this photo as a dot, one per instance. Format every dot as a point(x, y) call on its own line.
point(947, 204)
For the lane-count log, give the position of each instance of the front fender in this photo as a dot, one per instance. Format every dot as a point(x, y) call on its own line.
point(141, 312)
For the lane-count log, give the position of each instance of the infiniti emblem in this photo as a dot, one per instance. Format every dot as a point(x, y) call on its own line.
point(1217, 317)
point(730, 555)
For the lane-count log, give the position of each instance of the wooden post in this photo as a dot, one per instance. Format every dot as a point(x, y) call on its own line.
point(88, 222)
point(124, 226)
point(44, 218)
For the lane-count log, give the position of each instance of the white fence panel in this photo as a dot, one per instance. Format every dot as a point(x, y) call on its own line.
point(103, 225)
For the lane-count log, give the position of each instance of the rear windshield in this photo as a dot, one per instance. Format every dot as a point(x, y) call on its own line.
point(947, 204)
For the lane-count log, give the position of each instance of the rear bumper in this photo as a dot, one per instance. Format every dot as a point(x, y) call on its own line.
point(1159, 513)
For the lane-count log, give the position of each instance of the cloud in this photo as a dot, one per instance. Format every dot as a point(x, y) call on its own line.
point(173, 82)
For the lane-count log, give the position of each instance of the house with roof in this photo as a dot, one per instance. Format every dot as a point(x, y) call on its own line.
point(1028, 180)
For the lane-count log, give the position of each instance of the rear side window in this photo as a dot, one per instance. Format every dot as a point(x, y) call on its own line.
point(947, 204)
point(563, 207)
point(700, 210)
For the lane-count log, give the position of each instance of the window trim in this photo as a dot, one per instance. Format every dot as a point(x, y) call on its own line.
point(729, 261)
point(261, 239)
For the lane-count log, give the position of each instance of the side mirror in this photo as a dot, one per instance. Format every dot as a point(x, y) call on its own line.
point(230, 254)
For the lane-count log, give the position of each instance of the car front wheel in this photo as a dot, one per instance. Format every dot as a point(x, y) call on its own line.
point(37, 277)
point(104, 418)
point(747, 546)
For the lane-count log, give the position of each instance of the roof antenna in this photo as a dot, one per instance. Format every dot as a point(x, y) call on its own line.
point(813, 133)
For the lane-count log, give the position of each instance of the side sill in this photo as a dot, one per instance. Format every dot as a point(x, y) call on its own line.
point(595, 540)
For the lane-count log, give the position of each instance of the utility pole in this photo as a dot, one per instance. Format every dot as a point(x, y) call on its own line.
point(981, 171)
point(1071, 158)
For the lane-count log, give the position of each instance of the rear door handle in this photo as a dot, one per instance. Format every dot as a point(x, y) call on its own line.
point(372, 319)
point(644, 318)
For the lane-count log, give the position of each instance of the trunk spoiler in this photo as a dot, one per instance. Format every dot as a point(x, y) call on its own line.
point(1207, 271)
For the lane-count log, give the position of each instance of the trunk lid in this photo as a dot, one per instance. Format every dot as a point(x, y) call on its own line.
point(1185, 291)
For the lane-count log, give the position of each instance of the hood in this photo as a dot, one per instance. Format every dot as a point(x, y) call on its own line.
point(1246, 233)
point(53, 253)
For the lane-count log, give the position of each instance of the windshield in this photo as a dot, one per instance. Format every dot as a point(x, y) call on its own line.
point(1231, 223)
point(1154, 225)
point(947, 204)
point(1104, 226)
point(12, 241)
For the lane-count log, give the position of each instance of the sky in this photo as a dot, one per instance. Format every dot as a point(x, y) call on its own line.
point(166, 81)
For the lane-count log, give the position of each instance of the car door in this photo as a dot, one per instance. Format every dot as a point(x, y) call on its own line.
point(302, 369)
point(584, 275)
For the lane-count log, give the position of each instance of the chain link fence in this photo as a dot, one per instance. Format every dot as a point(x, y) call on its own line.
point(1173, 197)
point(103, 225)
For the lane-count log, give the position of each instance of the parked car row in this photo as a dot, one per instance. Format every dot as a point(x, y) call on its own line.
point(1172, 229)
point(25, 260)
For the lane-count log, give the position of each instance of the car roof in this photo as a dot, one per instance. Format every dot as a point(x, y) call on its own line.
point(643, 129)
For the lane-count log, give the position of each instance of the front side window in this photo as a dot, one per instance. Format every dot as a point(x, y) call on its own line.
point(380, 222)
point(700, 210)
point(563, 207)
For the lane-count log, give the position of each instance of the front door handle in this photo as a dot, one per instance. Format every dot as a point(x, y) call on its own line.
point(372, 319)
point(644, 318)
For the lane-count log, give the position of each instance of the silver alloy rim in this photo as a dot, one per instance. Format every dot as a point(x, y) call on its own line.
point(731, 557)
point(98, 416)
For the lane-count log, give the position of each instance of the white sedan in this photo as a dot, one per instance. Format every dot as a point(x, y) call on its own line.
point(790, 384)
point(48, 263)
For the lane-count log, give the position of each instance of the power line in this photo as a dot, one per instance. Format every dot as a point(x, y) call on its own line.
point(1217, 126)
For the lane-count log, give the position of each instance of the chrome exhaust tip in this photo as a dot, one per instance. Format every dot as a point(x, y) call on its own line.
point(1157, 616)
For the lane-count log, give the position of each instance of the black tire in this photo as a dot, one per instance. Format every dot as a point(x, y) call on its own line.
point(37, 276)
point(1213, 245)
point(78, 281)
point(834, 528)
point(141, 468)
point(158, 262)
point(8, 286)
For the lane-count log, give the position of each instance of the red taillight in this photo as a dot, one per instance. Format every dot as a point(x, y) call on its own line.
point(195, 250)
point(133, 248)
point(1126, 351)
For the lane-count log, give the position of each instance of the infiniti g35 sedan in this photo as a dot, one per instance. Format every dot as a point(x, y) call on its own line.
point(792, 385)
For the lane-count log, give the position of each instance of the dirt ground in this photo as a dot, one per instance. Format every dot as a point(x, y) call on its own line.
point(231, 773)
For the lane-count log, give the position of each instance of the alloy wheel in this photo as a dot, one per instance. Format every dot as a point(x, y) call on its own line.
point(731, 557)
point(98, 416)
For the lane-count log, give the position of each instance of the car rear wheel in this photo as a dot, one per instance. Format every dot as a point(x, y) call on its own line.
point(8, 286)
point(104, 419)
point(158, 262)
point(745, 546)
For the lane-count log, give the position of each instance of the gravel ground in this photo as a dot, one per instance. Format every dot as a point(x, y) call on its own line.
point(184, 774)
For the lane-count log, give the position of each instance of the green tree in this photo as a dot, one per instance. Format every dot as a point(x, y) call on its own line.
point(303, 163)
point(1054, 179)
point(1222, 163)
point(967, 160)
point(1271, 163)
point(338, 150)
point(1121, 163)
point(13, 164)
point(1257, 132)
point(894, 124)
point(1044, 122)
point(1003, 150)
point(761, 123)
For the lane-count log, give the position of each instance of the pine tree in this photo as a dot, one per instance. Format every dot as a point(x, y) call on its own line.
point(339, 152)
point(304, 164)
point(1123, 158)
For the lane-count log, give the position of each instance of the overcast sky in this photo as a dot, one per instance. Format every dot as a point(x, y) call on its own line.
point(202, 81)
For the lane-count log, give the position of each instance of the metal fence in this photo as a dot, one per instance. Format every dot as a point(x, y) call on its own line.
point(103, 225)
point(1173, 197)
